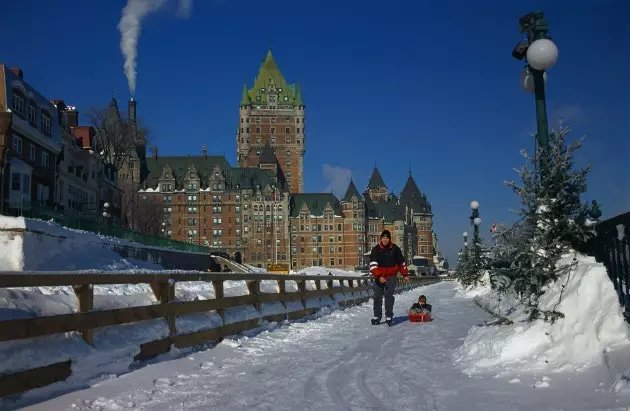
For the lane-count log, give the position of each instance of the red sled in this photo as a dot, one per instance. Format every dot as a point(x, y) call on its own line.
point(420, 318)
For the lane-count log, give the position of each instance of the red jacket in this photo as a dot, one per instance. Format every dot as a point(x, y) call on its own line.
point(387, 261)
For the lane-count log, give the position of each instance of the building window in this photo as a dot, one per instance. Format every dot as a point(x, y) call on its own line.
point(18, 103)
point(257, 139)
point(258, 129)
point(45, 159)
point(32, 114)
point(21, 182)
point(287, 140)
point(45, 122)
point(191, 198)
point(32, 152)
point(287, 130)
point(17, 144)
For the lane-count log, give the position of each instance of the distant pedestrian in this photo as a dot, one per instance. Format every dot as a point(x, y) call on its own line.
point(386, 260)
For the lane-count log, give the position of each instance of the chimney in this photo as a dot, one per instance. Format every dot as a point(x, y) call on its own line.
point(154, 149)
point(73, 116)
point(18, 72)
point(204, 152)
point(132, 110)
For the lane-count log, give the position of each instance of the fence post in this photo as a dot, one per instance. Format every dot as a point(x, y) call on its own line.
point(164, 292)
point(85, 295)
point(282, 291)
point(254, 289)
point(218, 294)
point(302, 290)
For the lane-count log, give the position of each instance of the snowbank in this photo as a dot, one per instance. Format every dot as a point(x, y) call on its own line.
point(29, 244)
point(592, 327)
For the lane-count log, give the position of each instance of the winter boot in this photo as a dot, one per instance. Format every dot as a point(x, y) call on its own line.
point(389, 321)
point(376, 321)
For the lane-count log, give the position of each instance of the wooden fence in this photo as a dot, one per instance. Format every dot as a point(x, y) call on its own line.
point(167, 307)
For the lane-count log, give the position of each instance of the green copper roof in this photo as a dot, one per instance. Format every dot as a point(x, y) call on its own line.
point(315, 202)
point(245, 100)
point(376, 181)
point(412, 196)
point(270, 78)
point(352, 191)
point(179, 166)
point(268, 156)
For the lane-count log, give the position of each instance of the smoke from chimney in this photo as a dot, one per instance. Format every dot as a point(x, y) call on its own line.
point(129, 26)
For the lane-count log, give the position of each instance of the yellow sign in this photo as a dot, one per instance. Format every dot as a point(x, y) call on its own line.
point(278, 268)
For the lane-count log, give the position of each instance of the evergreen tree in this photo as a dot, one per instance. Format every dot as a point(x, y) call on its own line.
point(473, 263)
point(554, 218)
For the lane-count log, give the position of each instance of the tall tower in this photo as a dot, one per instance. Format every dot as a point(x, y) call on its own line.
point(272, 112)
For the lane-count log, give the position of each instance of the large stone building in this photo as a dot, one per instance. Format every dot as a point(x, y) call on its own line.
point(272, 112)
point(235, 209)
point(258, 208)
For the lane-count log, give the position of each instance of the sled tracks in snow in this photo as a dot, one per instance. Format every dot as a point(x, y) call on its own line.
point(369, 380)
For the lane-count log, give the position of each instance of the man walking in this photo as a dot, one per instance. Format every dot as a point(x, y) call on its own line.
point(386, 260)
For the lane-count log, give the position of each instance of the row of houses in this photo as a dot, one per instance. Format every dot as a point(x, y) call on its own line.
point(47, 160)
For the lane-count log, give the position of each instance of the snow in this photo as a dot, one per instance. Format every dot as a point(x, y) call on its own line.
point(593, 327)
point(46, 245)
point(338, 361)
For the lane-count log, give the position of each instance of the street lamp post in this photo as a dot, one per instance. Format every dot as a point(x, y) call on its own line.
point(541, 54)
point(465, 234)
point(106, 215)
point(475, 220)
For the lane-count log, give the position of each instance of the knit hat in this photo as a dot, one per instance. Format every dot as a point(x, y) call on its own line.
point(387, 234)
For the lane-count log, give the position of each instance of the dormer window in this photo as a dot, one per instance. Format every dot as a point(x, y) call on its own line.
point(32, 114)
point(45, 122)
point(18, 102)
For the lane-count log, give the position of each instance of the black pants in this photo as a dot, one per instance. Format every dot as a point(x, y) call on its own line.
point(386, 290)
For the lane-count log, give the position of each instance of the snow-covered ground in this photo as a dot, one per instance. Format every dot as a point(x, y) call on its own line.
point(114, 347)
point(592, 331)
point(340, 362)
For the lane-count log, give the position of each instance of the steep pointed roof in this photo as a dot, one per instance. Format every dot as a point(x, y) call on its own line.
point(245, 100)
point(298, 95)
point(351, 191)
point(267, 155)
point(412, 196)
point(113, 103)
point(376, 181)
point(271, 81)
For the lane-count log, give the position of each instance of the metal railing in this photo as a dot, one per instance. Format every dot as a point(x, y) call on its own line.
point(47, 213)
point(611, 247)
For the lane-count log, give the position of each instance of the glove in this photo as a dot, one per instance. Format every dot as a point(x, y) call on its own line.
point(403, 269)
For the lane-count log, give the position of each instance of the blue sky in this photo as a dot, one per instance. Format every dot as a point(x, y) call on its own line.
point(427, 82)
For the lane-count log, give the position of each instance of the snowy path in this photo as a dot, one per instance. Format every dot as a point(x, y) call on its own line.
point(338, 362)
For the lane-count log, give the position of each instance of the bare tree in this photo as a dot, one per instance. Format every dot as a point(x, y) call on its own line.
point(116, 135)
point(149, 217)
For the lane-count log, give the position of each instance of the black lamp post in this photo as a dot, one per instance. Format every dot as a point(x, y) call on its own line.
point(540, 54)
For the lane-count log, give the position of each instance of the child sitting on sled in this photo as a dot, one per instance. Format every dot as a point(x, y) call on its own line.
point(421, 306)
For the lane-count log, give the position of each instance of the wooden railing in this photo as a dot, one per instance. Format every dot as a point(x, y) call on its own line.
point(163, 285)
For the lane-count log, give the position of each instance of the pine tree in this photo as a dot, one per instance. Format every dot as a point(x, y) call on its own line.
point(473, 263)
point(554, 217)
